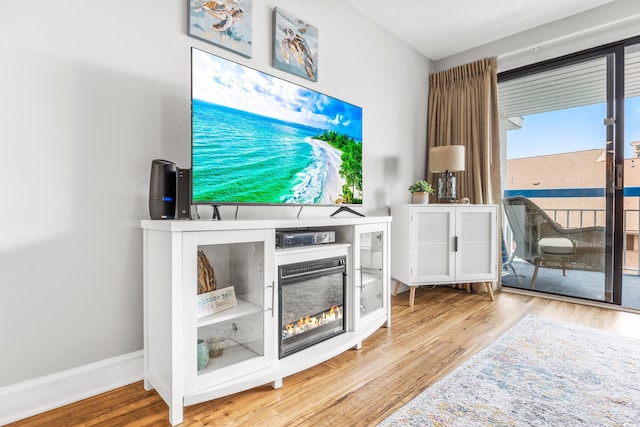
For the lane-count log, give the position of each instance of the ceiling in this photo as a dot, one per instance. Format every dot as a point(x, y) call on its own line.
point(441, 28)
point(584, 83)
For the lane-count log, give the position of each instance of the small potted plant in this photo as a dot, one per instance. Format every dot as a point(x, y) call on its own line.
point(420, 191)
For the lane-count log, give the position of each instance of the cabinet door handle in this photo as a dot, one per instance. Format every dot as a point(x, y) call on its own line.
point(273, 297)
point(455, 244)
point(273, 293)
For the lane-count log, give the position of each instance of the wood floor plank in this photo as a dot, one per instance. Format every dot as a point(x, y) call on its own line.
point(361, 387)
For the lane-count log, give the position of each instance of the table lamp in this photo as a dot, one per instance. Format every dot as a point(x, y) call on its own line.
point(446, 160)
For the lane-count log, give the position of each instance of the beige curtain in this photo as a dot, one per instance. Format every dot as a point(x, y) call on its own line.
point(463, 110)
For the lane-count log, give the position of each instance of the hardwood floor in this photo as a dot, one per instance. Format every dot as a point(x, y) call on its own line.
point(359, 387)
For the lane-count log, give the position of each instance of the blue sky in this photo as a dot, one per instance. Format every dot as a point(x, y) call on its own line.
point(223, 82)
point(573, 129)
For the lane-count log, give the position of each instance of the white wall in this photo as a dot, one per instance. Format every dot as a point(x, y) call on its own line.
point(88, 97)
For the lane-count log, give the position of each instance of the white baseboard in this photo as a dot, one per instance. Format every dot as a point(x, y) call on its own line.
point(32, 397)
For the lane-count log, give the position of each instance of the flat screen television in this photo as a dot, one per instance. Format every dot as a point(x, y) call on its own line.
point(259, 139)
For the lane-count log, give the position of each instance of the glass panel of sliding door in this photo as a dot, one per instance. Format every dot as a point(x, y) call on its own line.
point(631, 261)
point(558, 163)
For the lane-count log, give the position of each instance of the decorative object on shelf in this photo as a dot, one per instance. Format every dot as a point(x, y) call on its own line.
point(446, 160)
point(295, 45)
point(420, 191)
point(162, 189)
point(226, 24)
point(206, 275)
point(203, 354)
point(216, 301)
point(216, 346)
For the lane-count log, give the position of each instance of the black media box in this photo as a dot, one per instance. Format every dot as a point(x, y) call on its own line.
point(290, 239)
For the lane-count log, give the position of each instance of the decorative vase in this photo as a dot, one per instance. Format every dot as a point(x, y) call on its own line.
point(203, 354)
point(216, 347)
point(420, 198)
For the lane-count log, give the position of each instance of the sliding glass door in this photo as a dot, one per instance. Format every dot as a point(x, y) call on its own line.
point(571, 162)
point(571, 149)
point(558, 173)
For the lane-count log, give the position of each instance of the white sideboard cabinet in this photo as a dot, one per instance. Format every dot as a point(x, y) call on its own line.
point(243, 254)
point(444, 244)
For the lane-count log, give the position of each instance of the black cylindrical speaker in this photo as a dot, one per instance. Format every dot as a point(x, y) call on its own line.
point(162, 190)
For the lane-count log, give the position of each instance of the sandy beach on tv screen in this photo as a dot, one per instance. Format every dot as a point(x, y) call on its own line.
point(334, 182)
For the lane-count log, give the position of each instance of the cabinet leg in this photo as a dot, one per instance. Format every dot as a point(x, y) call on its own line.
point(176, 415)
point(276, 384)
point(489, 286)
point(412, 295)
point(468, 287)
point(395, 288)
point(358, 345)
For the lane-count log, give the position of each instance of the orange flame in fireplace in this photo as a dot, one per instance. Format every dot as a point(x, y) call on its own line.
point(303, 324)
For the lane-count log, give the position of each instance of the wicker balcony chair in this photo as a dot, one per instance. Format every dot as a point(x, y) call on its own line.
point(544, 243)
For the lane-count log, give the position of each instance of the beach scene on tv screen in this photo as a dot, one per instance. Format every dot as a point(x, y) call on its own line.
point(259, 139)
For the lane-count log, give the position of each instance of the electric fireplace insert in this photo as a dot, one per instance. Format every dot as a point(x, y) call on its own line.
point(311, 298)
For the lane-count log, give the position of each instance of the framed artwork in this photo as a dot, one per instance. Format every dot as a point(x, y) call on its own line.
point(295, 45)
point(226, 24)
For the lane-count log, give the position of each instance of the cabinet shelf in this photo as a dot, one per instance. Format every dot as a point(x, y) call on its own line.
point(233, 353)
point(370, 275)
point(244, 308)
point(308, 248)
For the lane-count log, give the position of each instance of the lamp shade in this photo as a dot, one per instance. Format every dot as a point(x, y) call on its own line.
point(446, 158)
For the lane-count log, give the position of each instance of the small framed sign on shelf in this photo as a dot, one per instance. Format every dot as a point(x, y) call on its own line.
point(216, 301)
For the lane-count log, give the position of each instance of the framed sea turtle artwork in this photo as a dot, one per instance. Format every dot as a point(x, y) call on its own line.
point(224, 23)
point(295, 45)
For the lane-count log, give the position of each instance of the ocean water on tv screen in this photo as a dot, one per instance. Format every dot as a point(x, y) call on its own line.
point(240, 157)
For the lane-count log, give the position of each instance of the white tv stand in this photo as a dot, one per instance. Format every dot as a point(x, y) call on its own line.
point(243, 255)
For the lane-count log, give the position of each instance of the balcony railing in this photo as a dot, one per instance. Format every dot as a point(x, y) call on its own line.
point(577, 217)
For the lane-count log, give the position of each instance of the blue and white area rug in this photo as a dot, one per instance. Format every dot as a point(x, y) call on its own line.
point(539, 373)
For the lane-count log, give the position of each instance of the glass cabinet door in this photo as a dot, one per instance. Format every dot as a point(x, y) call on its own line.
point(432, 240)
point(231, 319)
point(476, 247)
point(370, 268)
